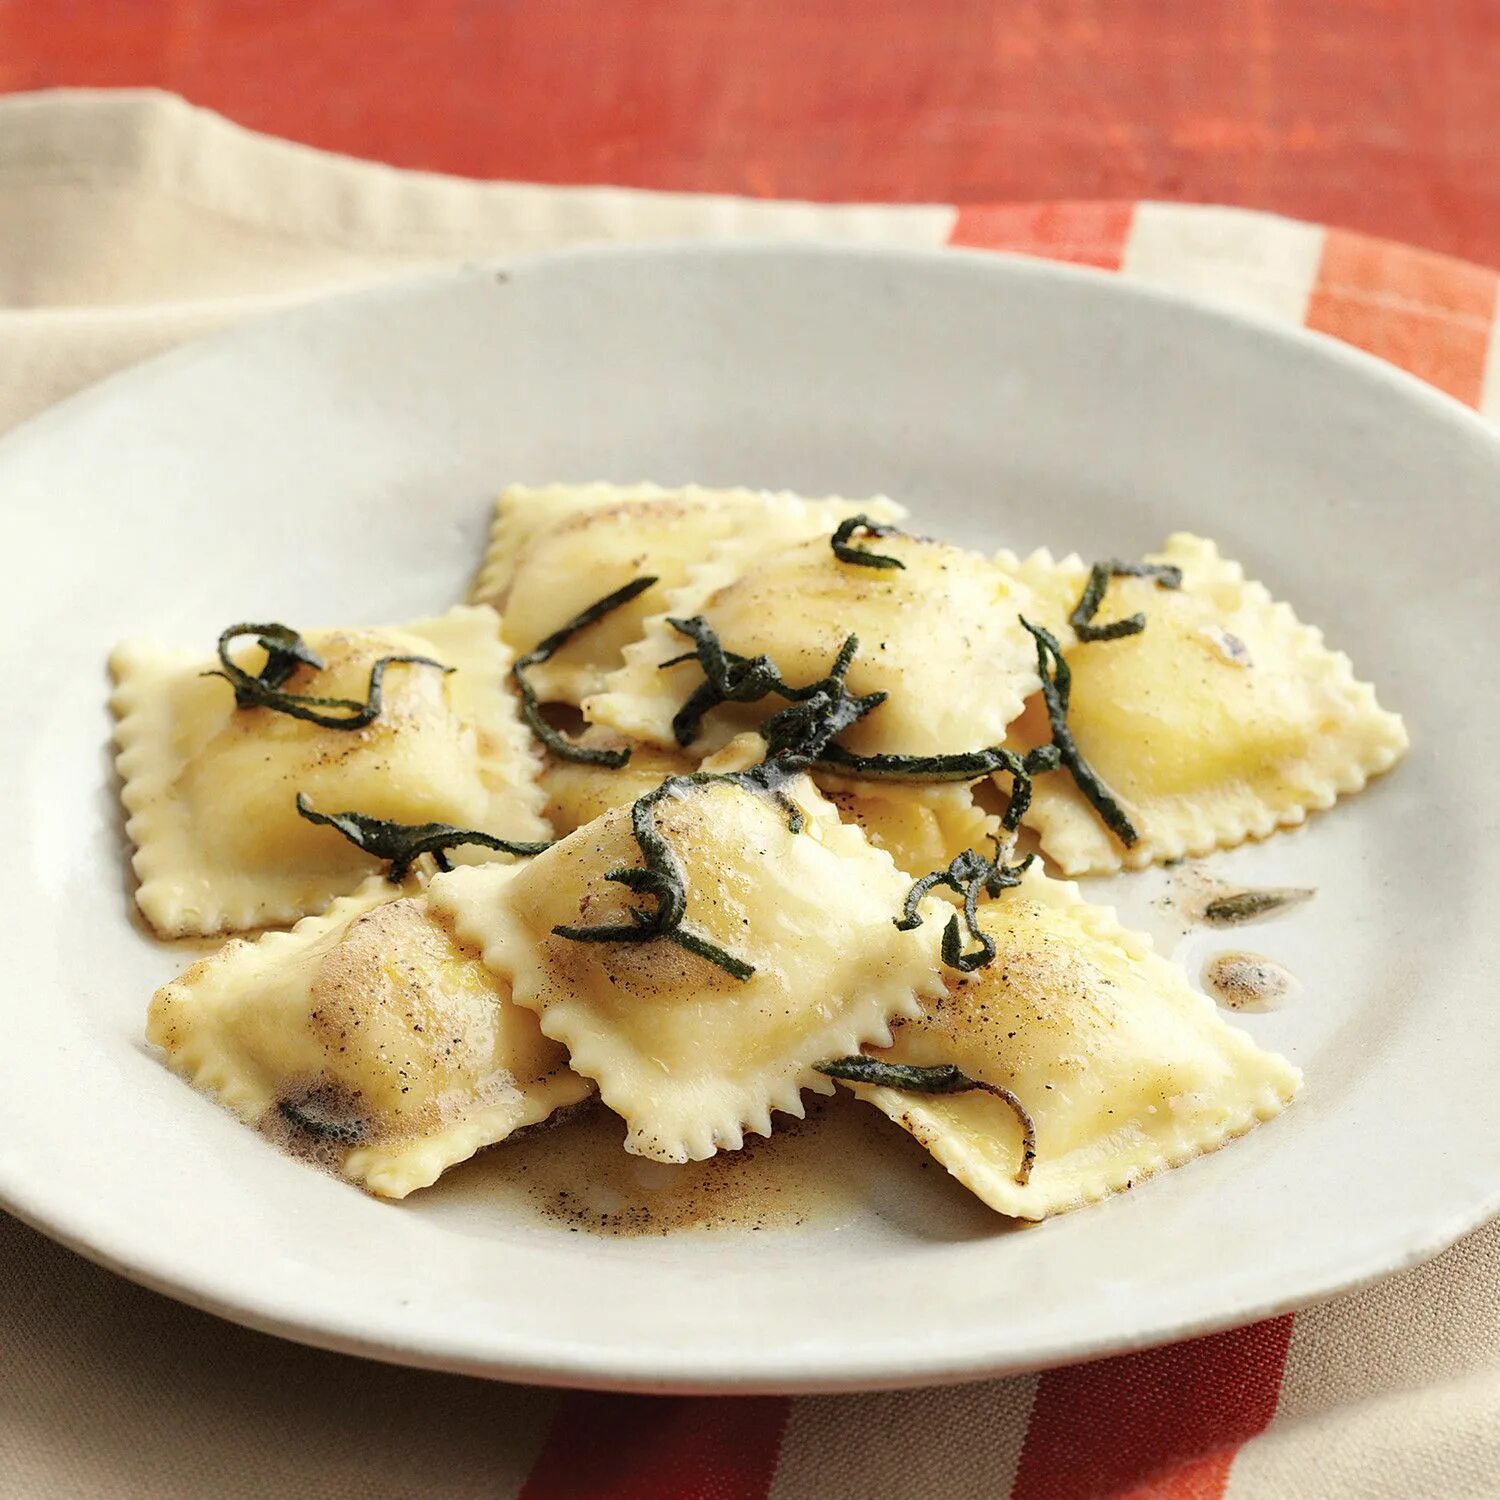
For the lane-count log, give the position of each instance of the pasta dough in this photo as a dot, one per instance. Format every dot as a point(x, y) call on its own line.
point(921, 827)
point(210, 788)
point(1123, 1067)
point(555, 550)
point(578, 792)
point(941, 635)
point(368, 1038)
point(689, 1055)
point(1221, 721)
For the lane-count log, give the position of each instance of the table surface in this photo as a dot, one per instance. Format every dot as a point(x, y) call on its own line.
point(1377, 115)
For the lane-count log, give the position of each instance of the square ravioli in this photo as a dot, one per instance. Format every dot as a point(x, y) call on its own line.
point(555, 549)
point(1122, 1067)
point(210, 788)
point(1224, 719)
point(369, 1039)
point(690, 1054)
point(938, 631)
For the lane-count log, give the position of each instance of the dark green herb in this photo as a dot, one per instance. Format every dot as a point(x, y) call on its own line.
point(967, 875)
point(799, 735)
point(794, 738)
point(1246, 906)
point(1022, 769)
point(967, 765)
point(944, 1078)
point(731, 678)
point(662, 881)
point(557, 743)
point(402, 843)
point(285, 652)
point(1057, 684)
point(1167, 576)
point(847, 550)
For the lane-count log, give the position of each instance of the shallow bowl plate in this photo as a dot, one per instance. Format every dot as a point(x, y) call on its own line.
point(337, 464)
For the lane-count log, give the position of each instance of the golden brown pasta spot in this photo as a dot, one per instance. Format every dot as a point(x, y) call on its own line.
point(427, 1012)
point(922, 827)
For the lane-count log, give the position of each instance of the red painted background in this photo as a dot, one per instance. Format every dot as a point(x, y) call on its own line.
point(1380, 115)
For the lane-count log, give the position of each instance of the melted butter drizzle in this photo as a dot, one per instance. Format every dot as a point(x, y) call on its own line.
point(817, 1171)
point(1248, 981)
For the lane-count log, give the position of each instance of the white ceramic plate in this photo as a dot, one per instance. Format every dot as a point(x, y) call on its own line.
point(337, 464)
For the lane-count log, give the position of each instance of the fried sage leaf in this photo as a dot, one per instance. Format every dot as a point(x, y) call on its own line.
point(944, 1078)
point(285, 652)
point(1167, 576)
point(559, 744)
point(849, 551)
point(662, 881)
point(1057, 684)
point(967, 875)
point(731, 678)
point(1248, 905)
point(403, 843)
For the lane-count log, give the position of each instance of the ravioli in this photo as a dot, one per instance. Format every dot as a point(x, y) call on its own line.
point(1124, 1069)
point(689, 1055)
point(1051, 585)
point(1223, 720)
point(710, 933)
point(554, 550)
point(578, 792)
point(921, 827)
point(940, 634)
point(368, 1038)
point(210, 789)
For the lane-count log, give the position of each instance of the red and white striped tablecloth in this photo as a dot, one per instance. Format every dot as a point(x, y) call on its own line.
point(128, 222)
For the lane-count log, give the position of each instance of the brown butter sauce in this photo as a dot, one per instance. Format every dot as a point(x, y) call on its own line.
point(576, 1174)
point(1248, 981)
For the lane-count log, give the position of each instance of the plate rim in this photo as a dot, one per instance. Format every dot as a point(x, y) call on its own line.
point(582, 1367)
point(576, 1364)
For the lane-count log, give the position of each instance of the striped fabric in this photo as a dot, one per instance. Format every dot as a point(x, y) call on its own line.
point(1392, 1391)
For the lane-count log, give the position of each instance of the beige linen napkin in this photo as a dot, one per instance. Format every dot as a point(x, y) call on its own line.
point(132, 221)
